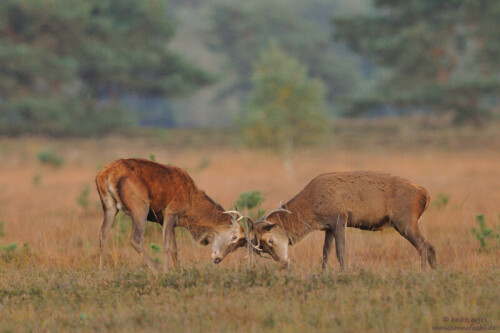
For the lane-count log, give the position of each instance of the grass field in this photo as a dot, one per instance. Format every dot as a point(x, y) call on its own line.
point(51, 282)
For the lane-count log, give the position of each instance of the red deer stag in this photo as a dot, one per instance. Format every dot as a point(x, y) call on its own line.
point(331, 202)
point(150, 191)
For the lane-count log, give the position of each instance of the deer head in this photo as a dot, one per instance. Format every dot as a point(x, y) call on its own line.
point(227, 240)
point(270, 238)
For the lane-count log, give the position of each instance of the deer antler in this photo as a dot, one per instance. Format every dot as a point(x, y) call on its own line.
point(279, 209)
point(263, 219)
point(235, 212)
point(232, 212)
point(255, 249)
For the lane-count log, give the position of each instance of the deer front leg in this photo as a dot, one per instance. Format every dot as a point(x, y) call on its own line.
point(327, 248)
point(169, 244)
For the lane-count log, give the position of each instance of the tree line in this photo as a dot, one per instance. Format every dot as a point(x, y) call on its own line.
point(65, 64)
point(72, 67)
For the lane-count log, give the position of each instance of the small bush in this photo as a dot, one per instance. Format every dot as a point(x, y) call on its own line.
point(50, 158)
point(83, 199)
point(442, 199)
point(12, 253)
point(483, 234)
point(155, 247)
point(10, 248)
point(249, 203)
point(36, 180)
point(204, 163)
point(152, 157)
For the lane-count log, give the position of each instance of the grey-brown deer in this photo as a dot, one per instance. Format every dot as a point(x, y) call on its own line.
point(151, 191)
point(331, 202)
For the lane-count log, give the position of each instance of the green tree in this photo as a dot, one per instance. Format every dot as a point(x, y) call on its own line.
point(242, 30)
point(440, 54)
point(66, 64)
point(285, 107)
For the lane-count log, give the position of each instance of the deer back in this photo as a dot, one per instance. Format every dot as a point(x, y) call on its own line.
point(363, 197)
point(160, 186)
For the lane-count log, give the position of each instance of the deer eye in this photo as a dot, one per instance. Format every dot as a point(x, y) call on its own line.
point(234, 237)
point(270, 240)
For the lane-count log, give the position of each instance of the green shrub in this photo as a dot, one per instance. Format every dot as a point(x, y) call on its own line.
point(83, 199)
point(4, 250)
point(442, 199)
point(204, 163)
point(12, 253)
point(36, 180)
point(10, 248)
point(483, 234)
point(249, 203)
point(50, 158)
point(155, 247)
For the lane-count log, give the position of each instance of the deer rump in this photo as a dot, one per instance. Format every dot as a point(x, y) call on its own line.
point(133, 182)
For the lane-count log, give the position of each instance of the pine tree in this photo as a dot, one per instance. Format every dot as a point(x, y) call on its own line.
point(65, 64)
point(242, 30)
point(285, 108)
point(440, 54)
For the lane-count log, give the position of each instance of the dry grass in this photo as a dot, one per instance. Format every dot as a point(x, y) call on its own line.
point(38, 205)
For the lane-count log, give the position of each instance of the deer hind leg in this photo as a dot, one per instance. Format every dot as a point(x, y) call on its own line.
point(424, 248)
point(137, 238)
point(169, 243)
point(133, 196)
point(110, 211)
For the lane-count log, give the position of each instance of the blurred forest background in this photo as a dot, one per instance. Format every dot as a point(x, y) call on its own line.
point(280, 72)
point(407, 87)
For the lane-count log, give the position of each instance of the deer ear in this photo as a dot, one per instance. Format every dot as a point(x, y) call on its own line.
point(206, 238)
point(269, 226)
point(250, 224)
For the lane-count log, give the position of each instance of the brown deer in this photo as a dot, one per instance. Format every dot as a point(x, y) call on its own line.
point(147, 190)
point(331, 202)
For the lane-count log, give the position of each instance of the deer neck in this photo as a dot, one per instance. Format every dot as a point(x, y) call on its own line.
point(297, 224)
point(203, 217)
